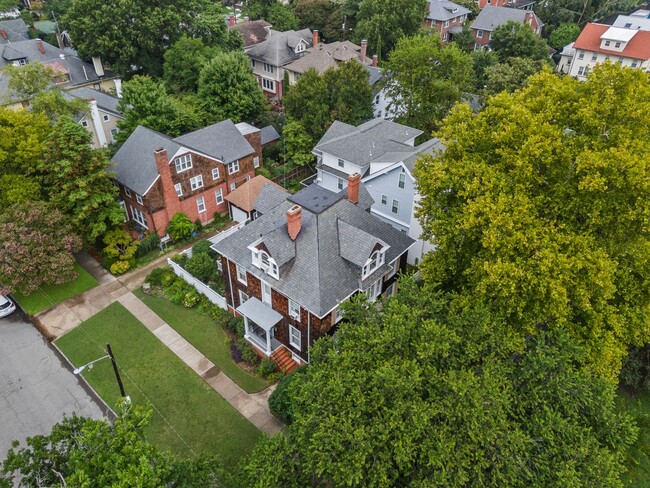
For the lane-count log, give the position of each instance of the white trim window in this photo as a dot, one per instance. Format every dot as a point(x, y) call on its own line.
point(395, 207)
point(200, 204)
point(183, 163)
point(196, 182)
point(106, 118)
point(219, 196)
point(114, 132)
point(138, 217)
point(384, 199)
point(127, 191)
point(233, 186)
point(375, 260)
point(243, 297)
point(374, 291)
point(266, 263)
point(215, 173)
point(241, 275)
point(295, 337)
point(294, 310)
point(268, 68)
point(84, 123)
point(138, 199)
point(402, 180)
point(268, 85)
point(179, 189)
point(339, 183)
point(256, 162)
point(479, 34)
point(338, 315)
point(341, 163)
point(233, 167)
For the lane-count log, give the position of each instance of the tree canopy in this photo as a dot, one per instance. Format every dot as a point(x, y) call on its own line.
point(515, 40)
point(564, 34)
point(539, 206)
point(22, 140)
point(427, 79)
point(510, 74)
point(422, 393)
point(183, 64)
point(26, 81)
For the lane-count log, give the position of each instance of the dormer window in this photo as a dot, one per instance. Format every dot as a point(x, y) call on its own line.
point(377, 258)
point(300, 47)
point(183, 163)
point(266, 263)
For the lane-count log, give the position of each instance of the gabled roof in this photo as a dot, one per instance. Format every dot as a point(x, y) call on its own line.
point(376, 75)
point(492, 17)
point(269, 135)
point(367, 142)
point(13, 30)
point(105, 101)
point(253, 32)
point(442, 10)
point(278, 48)
point(355, 244)
point(245, 196)
point(268, 198)
point(316, 275)
point(590, 40)
point(221, 140)
point(326, 56)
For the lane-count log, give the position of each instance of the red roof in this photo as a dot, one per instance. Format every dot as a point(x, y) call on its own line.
point(637, 48)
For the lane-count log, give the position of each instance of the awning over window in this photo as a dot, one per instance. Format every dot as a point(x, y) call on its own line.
point(261, 314)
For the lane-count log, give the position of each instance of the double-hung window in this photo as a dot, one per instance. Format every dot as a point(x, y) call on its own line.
point(294, 310)
point(341, 163)
point(377, 258)
point(479, 34)
point(138, 216)
point(196, 182)
point(138, 199)
point(268, 85)
point(183, 163)
point(200, 204)
point(233, 167)
point(215, 173)
point(384, 200)
point(268, 68)
point(395, 207)
point(339, 183)
point(219, 196)
point(241, 275)
point(127, 191)
point(233, 186)
point(256, 162)
point(295, 337)
point(179, 189)
point(402, 180)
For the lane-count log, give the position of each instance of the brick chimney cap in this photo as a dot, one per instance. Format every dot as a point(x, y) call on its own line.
point(159, 149)
point(354, 176)
point(295, 209)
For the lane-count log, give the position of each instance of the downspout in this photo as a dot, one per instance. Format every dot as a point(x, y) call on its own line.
point(232, 297)
point(308, 333)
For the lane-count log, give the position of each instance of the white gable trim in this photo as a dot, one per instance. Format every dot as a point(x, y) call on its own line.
point(183, 150)
point(388, 170)
point(150, 186)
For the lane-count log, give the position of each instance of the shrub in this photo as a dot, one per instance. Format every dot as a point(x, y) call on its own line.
point(180, 227)
point(635, 372)
point(157, 275)
point(148, 244)
point(119, 245)
point(201, 266)
point(120, 267)
point(236, 326)
point(202, 247)
point(267, 367)
point(181, 259)
point(191, 299)
point(280, 399)
point(198, 225)
point(219, 314)
point(235, 353)
point(248, 353)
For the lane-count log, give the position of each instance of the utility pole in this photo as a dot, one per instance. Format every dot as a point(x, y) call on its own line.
point(117, 373)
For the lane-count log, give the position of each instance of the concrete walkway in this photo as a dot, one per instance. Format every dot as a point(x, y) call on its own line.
point(252, 406)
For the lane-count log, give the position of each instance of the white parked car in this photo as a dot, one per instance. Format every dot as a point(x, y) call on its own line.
point(6, 306)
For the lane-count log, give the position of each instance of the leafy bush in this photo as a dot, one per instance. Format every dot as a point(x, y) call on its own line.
point(202, 247)
point(120, 246)
point(120, 267)
point(280, 400)
point(635, 372)
point(201, 266)
point(181, 259)
point(236, 326)
point(191, 299)
point(219, 314)
point(235, 353)
point(267, 367)
point(198, 225)
point(157, 275)
point(248, 352)
point(180, 227)
point(148, 244)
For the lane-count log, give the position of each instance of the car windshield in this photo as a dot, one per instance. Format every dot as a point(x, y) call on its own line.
point(4, 303)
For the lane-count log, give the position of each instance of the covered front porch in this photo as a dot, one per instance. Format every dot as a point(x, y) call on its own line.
point(259, 323)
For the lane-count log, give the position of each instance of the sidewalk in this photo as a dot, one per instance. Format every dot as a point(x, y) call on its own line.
point(252, 406)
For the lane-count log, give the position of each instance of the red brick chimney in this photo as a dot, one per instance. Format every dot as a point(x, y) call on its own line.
point(353, 187)
point(39, 45)
point(172, 203)
point(3, 34)
point(294, 221)
point(231, 20)
point(375, 59)
point(364, 48)
point(314, 39)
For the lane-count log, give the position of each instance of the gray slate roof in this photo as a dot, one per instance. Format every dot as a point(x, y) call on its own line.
point(14, 29)
point(367, 142)
point(278, 48)
point(105, 101)
point(355, 244)
point(376, 75)
point(270, 197)
point(442, 10)
point(269, 134)
point(492, 17)
point(318, 277)
point(221, 140)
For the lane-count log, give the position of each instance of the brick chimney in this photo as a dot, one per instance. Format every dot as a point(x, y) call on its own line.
point(39, 45)
point(353, 187)
point(294, 221)
point(3, 34)
point(375, 59)
point(314, 39)
point(364, 48)
point(232, 20)
point(172, 203)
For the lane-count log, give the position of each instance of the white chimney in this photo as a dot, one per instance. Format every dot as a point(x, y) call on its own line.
point(97, 64)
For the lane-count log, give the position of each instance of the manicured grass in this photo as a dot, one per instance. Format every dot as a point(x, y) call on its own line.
point(206, 335)
point(49, 295)
point(151, 372)
point(638, 406)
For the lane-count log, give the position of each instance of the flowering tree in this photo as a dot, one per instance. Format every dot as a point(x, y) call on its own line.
point(36, 247)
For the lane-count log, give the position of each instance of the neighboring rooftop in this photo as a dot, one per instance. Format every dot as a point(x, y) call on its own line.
point(221, 140)
point(492, 17)
point(269, 135)
point(104, 100)
point(279, 48)
point(253, 32)
point(13, 30)
point(638, 46)
point(245, 196)
point(636, 22)
point(441, 10)
point(325, 56)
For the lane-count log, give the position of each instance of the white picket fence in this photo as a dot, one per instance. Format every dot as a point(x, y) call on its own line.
point(201, 287)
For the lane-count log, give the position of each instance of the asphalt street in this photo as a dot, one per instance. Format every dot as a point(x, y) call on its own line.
point(36, 388)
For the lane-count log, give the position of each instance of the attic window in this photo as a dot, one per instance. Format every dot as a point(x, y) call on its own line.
point(266, 263)
point(300, 47)
point(377, 258)
point(183, 163)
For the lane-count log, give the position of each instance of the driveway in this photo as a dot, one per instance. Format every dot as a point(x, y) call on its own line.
point(36, 388)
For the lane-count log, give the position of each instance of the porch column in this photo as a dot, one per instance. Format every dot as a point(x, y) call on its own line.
point(246, 332)
point(268, 342)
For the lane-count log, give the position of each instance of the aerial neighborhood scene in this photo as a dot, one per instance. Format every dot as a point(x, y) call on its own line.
point(324, 243)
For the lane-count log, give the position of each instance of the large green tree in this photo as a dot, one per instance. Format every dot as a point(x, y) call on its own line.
point(384, 22)
point(515, 40)
point(76, 180)
point(564, 34)
point(183, 63)
point(422, 393)
point(540, 207)
point(22, 140)
point(26, 81)
point(427, 79)
point(556, 12)
point(131, 35)
point(510, 74)
point(229, 90)
point(321, 15)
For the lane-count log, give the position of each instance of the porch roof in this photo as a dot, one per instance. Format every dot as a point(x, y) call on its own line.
point(261, 314)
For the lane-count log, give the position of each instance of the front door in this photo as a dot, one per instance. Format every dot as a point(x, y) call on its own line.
point(266, 293)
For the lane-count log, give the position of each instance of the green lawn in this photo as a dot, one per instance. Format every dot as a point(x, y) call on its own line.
point(200, 417)
point(206, 335)
point(638, 406)
point(49, 295)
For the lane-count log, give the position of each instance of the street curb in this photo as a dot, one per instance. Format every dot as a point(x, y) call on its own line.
point(106, 410)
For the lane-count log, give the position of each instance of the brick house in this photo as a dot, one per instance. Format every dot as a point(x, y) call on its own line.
point(446, 18)
point(159, 176)
point(492, 17)
point(288, 271)
point(520, 4)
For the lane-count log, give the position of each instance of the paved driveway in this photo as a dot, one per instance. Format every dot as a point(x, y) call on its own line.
point(36, 389)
